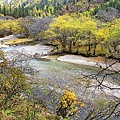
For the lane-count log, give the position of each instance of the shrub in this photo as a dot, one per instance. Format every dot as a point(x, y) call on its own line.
point(68, 104)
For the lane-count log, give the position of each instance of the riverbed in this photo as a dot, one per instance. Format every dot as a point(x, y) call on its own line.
point(56, 72)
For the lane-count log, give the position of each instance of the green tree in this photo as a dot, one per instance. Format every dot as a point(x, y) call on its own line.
point(64, 30)
point(88, 28)
point(112, 42)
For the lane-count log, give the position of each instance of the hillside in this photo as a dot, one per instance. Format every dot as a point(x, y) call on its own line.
point(42, 8)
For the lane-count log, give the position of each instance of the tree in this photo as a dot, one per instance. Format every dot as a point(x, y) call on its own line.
point(98, 37)
point(88, 27)
point(12, 81)
point(112, 40)
point(64, 30)
point(105, 108)
point(8, 27)
point(40, 25)
point(32, 26)
point(114, 36)
point(16, 101)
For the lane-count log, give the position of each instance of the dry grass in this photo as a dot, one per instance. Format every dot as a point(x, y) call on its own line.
point(17, 41)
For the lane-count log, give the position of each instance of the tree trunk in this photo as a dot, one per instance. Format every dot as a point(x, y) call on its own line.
point(89, 47)
point(70, 47)
point(94, 52)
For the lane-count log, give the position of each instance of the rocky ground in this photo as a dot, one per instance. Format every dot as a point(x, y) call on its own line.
point(90, 61)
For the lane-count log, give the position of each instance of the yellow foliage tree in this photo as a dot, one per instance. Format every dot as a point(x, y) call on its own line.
point(68, 104)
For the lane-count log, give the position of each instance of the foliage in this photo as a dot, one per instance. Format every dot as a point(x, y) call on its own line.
point(8, 27)
point(68, 104)
point(64, 30)
point(12, 82)
point(42, 8)
point(112, 40)
point(72, 33)
point(105, 4)
point(37, 8)
point(15, 96)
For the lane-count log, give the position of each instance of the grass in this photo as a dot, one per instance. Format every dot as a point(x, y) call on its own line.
point(17, 41)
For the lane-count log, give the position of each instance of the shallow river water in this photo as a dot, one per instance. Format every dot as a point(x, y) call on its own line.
point(53, 75)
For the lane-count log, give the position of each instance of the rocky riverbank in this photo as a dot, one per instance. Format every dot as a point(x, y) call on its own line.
point(90, 61)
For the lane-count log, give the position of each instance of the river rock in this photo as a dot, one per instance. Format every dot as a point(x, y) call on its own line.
point(37, 55)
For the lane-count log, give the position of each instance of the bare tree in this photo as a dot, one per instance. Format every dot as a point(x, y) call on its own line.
point(33, 26)
point(108, 107)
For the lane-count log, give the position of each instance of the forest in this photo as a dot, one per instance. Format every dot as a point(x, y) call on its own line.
point(75, 33)
point(42, 8)
point(74, 27)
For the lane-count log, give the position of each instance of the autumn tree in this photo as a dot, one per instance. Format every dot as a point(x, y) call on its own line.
point(8, 27)
point(68, 104)
point(113, 42)
point(16, 101)
point(64, 30)
point(89, 26)
point(97, 39)
point(12, 81)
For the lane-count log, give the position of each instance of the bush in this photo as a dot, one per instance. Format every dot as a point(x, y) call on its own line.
point(68, 104)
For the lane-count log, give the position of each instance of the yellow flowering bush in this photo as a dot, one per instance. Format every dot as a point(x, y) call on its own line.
point(68, 104)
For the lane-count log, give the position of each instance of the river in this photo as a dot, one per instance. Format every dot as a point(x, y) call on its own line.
point(53, 76)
